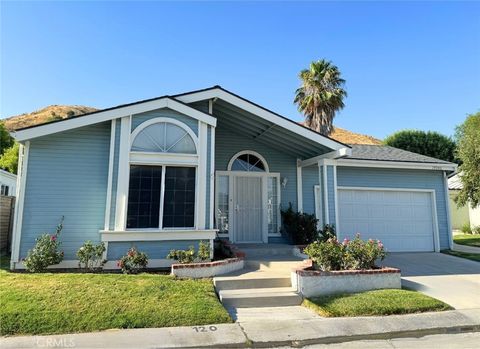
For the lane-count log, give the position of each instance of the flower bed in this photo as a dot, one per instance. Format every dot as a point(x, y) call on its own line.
point(209, 269)
point(314, 283)
point(347, 267)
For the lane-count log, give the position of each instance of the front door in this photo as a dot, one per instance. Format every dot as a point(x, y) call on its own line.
point(248, 209)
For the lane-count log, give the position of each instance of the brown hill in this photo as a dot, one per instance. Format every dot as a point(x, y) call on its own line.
point(47, 114)
point(349, 137)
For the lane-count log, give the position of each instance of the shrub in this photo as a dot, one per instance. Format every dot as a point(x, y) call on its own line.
point(476, 230)
point(328, 232)
point(466, 228)
point(190, 256)
point(222, 249)
point(301, 227)
point(355, 254)
point(133, 261)
point(90, 256)
point(45, 253)
point(326, 255)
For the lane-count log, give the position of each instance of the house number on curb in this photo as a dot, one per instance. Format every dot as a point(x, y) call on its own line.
point(204, 328)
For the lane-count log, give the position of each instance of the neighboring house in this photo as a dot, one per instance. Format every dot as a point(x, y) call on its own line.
point(465, 215)
point(8, 183)
point(168, 172)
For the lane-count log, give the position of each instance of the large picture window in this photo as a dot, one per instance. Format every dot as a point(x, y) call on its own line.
point(145, 195)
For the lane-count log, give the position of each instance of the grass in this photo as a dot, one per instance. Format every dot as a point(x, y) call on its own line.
point(372, 303)
point(73, 302)
point(467, 239)
point(472, 256)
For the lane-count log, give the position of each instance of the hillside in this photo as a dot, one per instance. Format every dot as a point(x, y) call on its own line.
point(349, 137)
point(47, 114)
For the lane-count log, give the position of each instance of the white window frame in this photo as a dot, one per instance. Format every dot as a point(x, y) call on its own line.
point(248, 152)
point(162, 160)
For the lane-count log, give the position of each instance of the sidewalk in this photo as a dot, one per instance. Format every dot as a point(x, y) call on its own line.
point(266, 333)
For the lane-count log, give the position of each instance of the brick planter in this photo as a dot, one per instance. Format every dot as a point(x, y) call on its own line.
point(314, 283)
point(207, 269)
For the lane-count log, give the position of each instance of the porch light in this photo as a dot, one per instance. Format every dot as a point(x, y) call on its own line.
point(284, 182)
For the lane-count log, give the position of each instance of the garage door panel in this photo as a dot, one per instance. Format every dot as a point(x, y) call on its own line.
point(402, 220)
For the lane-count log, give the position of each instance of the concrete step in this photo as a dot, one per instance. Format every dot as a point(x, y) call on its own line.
point(260, 297)
point(278, 266)
point(265, 250)
point(252, 282)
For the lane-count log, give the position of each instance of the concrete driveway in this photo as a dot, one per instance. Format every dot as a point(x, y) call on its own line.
point(453, 280)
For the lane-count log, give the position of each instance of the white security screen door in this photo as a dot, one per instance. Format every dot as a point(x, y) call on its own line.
point(248, 209)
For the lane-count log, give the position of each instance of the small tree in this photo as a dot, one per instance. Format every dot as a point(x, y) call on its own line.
point(468, 151)
point(6, 141)
point(9, 159)
point(428, 143)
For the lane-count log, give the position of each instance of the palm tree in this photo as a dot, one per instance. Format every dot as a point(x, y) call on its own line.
point(321, 95)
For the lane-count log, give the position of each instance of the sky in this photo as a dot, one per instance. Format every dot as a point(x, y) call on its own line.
point(412, 65)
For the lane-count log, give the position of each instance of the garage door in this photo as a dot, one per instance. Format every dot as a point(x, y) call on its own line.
point(402, 220)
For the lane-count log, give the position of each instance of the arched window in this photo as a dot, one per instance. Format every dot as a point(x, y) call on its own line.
point(248, 161)
point(164, 137)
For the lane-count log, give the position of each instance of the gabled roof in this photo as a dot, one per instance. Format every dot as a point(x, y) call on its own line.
point(387, 153)
point(455, 183)
point(178, 102)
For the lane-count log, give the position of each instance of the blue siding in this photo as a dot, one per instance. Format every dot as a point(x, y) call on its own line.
point(309, 180)
point(137, 119)
point(228, 143)
point(67, 176)
point(200, 105)
point(116, 153)
point(400, 178)
point(331, 195)
point(153, 249)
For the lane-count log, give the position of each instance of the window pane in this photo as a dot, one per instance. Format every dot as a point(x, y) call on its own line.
point(164, 137)
point(179, 202)
point(248, 162)
point(273, 205)
point(221, 216)
point(144, 197)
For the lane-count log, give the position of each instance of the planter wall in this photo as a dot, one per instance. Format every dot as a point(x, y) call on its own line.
point(314, 283)
point(207, 269)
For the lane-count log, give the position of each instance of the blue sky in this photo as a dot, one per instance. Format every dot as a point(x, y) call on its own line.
point(407, 65)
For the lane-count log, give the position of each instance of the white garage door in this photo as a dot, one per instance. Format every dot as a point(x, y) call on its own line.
point(402, 220)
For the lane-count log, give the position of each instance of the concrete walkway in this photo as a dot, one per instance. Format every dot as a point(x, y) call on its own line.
point(453, 280)
point(266, 333)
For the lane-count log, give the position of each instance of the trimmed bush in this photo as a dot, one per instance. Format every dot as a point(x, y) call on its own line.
point(90, 256)
point(133, 262)
point(190, 256)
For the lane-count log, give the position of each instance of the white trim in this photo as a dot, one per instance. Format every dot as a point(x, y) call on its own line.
point(317, 199)
point(449, 219)
point(260, 112)
point(145, 158)
point(23, 154)
point(8, 175)
point(325, 193)
point(243, 152)
point(212, 175)
point(108, 201)
point(123, 174)
point(299, 187)
point(335, 189)
point(202, 174)
point(436, 236)
point(117, 112)
point(158, 235)
point(265, 209)
point(342, 152)
point(158, 120)
point(396, 164)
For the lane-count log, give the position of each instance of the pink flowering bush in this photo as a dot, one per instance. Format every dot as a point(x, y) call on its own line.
point(349, 254)
point(133, 261)
point(45, 252)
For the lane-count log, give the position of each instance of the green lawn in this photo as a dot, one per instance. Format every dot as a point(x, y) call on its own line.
point(378, 302)
point(73, 302)
point(467, 239)
point(472, 256)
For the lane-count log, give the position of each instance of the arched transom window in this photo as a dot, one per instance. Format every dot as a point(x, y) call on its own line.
point(248, 161)
point(164, 137)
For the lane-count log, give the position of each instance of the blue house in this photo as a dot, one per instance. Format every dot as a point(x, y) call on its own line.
point(168, 172)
